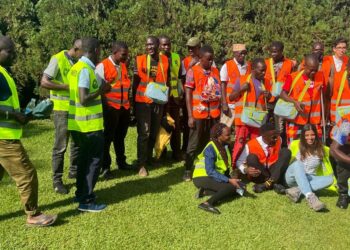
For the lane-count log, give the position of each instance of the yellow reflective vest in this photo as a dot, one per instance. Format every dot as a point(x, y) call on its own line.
point(220, 166)
point(88, 117)
point(324, 169)
point(10, 129)
point(60, 98)
point(174, 75)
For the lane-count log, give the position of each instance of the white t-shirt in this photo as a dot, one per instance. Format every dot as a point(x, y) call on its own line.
point(338, 63)
point(224, 73)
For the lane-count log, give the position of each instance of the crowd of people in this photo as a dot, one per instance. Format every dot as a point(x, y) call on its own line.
point(291, 122)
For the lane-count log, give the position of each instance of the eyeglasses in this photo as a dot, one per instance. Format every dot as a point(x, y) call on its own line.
point(341, 48)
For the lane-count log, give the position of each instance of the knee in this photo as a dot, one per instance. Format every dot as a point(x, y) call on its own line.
point(329, 180)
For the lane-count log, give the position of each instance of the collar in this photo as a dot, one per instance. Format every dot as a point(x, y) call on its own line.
point(261, 142)
point(88, 61)
point(238, 64)
point(110, 58)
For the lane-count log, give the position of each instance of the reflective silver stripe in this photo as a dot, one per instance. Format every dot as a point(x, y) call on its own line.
point(85, 118)
point(143, 84)
point(342, 101)
point(7, 108)
point(9, 124)
point(197, 97)
point(90, 104)
point(61, 98)
point(140, 93)
point(118, 101)
point(119, 90)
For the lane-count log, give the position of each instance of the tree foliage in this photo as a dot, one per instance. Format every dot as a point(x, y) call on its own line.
point(42, 28)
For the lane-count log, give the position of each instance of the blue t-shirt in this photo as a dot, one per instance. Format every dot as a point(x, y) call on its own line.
point(5, 91)
point(341, 132)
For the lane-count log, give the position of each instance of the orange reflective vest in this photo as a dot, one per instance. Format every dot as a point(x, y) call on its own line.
point(312, 109)
point(270, 77)
point(328, 63)
point(252, 100)
point(234, 74)
point(143, 72)
point(267, 160)
point(119, 95)
point(345, 95)
point(186, 61)
point(204, 109)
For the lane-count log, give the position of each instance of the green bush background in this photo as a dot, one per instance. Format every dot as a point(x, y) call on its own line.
point(42, 28)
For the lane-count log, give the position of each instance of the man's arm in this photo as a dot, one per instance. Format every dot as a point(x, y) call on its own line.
point(50, 73)
point(189, 96)
point(338, 154)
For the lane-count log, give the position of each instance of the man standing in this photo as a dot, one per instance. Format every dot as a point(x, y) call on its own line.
point(305, 95)
point(85, 122)
point(318, 51)
point(150, 67)
point(175, 95)
point(231, 71)
point(55, 79)
point(203, 93)
point(116, 114)
point(13, 157)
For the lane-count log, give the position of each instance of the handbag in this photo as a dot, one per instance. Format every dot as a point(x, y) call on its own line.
point(157, 91)
point(341, 110)
point(286, 109)
point(252, 116)
point(43, 109)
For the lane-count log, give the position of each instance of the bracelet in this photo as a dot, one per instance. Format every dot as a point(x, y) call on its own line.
point(7, 115)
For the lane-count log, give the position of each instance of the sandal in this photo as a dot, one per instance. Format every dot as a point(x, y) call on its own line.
point(41, 220)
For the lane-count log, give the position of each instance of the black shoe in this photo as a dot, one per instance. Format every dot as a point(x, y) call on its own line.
point(72, 175)
point(125, 166)
point(199, 194)
point(343, 201)
point(60, 188)
point(279, 188)
point(259, 188)
point(209, 208)
point(107, 174)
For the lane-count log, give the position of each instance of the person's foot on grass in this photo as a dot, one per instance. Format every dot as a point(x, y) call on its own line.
point(279, 188)
point(60, 188)
point(91, 207)
point(187, 176)
point(209, 208)
point(293, 194)
point(107, 174)
point(314, 202)
point(143, 172)
point(343, 201)
point(41, 220)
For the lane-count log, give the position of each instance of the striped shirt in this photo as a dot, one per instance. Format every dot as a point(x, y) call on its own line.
point(311, 163)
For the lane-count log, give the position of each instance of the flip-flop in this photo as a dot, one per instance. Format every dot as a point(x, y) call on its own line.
point(43, 221)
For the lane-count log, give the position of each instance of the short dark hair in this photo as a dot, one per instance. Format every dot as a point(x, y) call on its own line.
point(89, 44)
point(118, 45)
point(206, 49)
point(267, 127)
point(278, 45)
point(154, 38)
point(257, 61)
point(339, 40)
point(310, 57)
point(163, 37)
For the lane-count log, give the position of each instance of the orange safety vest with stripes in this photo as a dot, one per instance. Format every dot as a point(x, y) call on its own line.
point(251, 100)
point(233, 75)
point(270, 77)
point(345, 95)
point(328, 63)
point(204, 109)
point(142, 71)
point(267, 160)
point(119, 95)
point(312, 104)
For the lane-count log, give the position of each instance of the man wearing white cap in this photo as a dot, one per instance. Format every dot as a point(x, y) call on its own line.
point(229, 73)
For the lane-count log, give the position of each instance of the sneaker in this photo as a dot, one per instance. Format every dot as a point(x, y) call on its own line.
point(187, 175)
point(209, 208)
point(315, 203)
point(60, 188)
point(125, 166)
point(293, 194)
point(279, 188)
point(91, 207)
point(199, 194)
point(143, 172)
point(72, 175)
point(107, 174)
point(343, 201)
point(261, 187)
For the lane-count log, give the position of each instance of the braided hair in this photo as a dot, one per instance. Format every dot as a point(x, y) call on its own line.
point(215, 133)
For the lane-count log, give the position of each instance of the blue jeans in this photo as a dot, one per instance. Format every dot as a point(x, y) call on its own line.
point(296, 176)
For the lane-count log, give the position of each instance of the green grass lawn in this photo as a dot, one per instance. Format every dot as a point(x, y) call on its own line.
point(160, 212)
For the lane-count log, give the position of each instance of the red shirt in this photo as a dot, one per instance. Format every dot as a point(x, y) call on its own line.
point(288, 84)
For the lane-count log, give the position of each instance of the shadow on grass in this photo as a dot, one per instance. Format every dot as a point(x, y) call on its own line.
point(115, 194)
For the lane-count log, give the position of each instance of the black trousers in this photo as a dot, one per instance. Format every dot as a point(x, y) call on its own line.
point(221, 190)
point(275, 172)
point(148, 118)
point(198, 139)
point(343, 174)
point(116, 124)
point(90, 153)
point(185, 128)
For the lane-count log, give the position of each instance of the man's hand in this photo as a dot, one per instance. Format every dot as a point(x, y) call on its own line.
point(191, 123)
point(245, 87)
point(253, 172)
point(20, 117)
point(299, 106)
point(105, 87)
point(266, 94)
point(234, 182)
